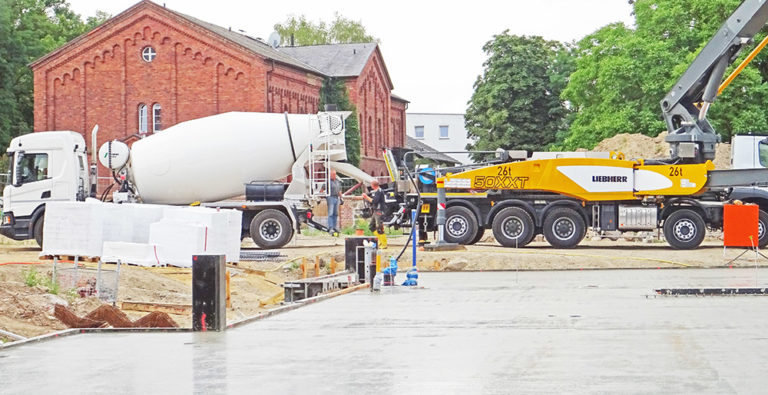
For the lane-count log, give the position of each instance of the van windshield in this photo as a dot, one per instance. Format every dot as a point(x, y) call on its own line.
point(762, 153)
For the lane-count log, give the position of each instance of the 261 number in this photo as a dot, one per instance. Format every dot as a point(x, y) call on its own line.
point(675, 171)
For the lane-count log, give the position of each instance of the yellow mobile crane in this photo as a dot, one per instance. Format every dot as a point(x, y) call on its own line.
point(559, 195)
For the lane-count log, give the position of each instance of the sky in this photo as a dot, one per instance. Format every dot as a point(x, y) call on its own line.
point(432, 49)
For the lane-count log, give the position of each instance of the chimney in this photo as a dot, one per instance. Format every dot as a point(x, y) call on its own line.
point(292, 39)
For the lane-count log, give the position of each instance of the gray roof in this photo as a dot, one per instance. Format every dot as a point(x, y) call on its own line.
point(427, 151)
point(396, 97)
point(334, 60)
point(257, 46)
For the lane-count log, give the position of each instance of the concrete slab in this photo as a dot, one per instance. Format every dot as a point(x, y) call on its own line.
point(500, 332)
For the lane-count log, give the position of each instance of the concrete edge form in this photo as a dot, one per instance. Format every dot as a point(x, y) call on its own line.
point(268, 313)
point(296, 305)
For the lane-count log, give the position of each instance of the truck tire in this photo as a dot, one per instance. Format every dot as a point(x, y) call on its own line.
point(478, 236)
point(460, 225)
point(38, 231)
point(564, 227)
point(513, 227)
point(684, 229)
point(762, 226)
point(271, 229)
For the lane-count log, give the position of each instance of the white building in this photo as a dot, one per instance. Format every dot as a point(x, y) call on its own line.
point(443, 132)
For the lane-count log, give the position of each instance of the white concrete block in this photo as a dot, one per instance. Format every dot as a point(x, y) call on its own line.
point(130, 253)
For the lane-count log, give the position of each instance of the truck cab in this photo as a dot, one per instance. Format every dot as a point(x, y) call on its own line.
point(45, 166)
point(749, 151)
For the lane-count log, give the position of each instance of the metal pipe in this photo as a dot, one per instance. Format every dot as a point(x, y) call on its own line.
point(743, 65)
point(440, 219)
point(12, 335)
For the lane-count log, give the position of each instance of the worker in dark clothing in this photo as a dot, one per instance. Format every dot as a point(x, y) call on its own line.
point(377, 205)
point(334, 200)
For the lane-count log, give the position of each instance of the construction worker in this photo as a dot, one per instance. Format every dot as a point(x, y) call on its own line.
point(377, 205)
point(333, 200)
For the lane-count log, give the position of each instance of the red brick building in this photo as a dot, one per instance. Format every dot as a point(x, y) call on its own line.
point(149, 68)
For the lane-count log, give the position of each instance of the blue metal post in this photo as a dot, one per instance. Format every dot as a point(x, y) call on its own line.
point(413, 234)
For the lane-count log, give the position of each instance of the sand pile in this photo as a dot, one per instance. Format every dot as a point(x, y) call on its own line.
point(642, 146)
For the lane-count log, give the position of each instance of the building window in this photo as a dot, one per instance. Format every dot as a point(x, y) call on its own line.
point(148, 54)
point(142, 118)
point(444, 131)
point(157, 124)
point(418, 132)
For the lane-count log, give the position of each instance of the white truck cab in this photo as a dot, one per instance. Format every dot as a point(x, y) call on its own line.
point(749, 151)
point(45, 167)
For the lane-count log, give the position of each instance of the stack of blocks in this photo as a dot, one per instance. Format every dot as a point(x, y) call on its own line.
point(141, 234)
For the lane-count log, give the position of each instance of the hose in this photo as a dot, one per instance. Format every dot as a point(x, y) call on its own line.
point(106, 191)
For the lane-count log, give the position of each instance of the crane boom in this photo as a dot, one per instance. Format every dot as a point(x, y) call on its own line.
point(691, 137)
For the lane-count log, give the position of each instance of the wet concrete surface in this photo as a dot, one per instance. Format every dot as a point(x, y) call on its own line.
point(494, 332)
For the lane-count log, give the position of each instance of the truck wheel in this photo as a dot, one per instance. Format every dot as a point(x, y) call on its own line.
point(513, 227)
point(564, 227)
point(271, 229)
point(762, 226)
point(460, 225)
point(684, 229)
point(38, 231)
point(478, 236)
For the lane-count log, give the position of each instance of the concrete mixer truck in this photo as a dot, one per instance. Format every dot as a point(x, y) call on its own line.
point(204, 161)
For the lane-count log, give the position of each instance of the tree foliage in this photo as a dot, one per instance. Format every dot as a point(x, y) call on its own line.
point(28, 30)
point(622, 74)
point(516, 103)
point(306, 32)
point(334, 91)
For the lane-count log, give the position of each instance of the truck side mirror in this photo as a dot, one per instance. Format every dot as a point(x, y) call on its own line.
point(17, 169)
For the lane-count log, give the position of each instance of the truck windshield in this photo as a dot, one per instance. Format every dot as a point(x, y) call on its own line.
point(762, 153)
point(33, 167)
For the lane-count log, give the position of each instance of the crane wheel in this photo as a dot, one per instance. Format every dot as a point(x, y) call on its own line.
point(762, 226)
point(478, 236)
point(564, 227)
point(684, 229)
point(513, 227)
point(460, 225)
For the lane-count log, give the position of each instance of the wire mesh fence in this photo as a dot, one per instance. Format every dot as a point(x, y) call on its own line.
point(86, 282)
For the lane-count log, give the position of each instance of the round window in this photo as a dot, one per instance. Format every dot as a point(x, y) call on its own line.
point(148, 54)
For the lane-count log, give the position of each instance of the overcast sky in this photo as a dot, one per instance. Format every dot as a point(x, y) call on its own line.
point(433, 49)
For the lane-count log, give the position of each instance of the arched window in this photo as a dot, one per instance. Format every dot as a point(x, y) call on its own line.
point(157, 123)
point(142, 118)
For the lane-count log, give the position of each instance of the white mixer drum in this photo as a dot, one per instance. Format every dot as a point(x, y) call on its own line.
point(210, 159)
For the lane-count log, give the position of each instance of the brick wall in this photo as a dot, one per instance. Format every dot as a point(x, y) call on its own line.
point(101, 78)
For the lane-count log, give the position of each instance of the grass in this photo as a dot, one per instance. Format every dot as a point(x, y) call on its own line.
point(33, 278)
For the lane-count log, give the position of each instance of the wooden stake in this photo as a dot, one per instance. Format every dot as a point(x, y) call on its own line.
point(317, 266)
point(333, 265)
point(303, 267)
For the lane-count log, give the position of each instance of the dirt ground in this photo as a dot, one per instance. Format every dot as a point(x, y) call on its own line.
point(255, 286)
point(641, 146)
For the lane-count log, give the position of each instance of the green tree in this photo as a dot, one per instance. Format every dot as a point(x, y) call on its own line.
point(28, 30)
point(334, 91)
point(339, 31)
point(622, 74)
point(516, 103)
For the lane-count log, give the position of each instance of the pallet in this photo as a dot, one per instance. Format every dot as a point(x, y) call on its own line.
point(69, 258)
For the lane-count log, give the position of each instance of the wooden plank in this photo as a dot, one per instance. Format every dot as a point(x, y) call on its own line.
point(168, 308)
point(277, 298)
